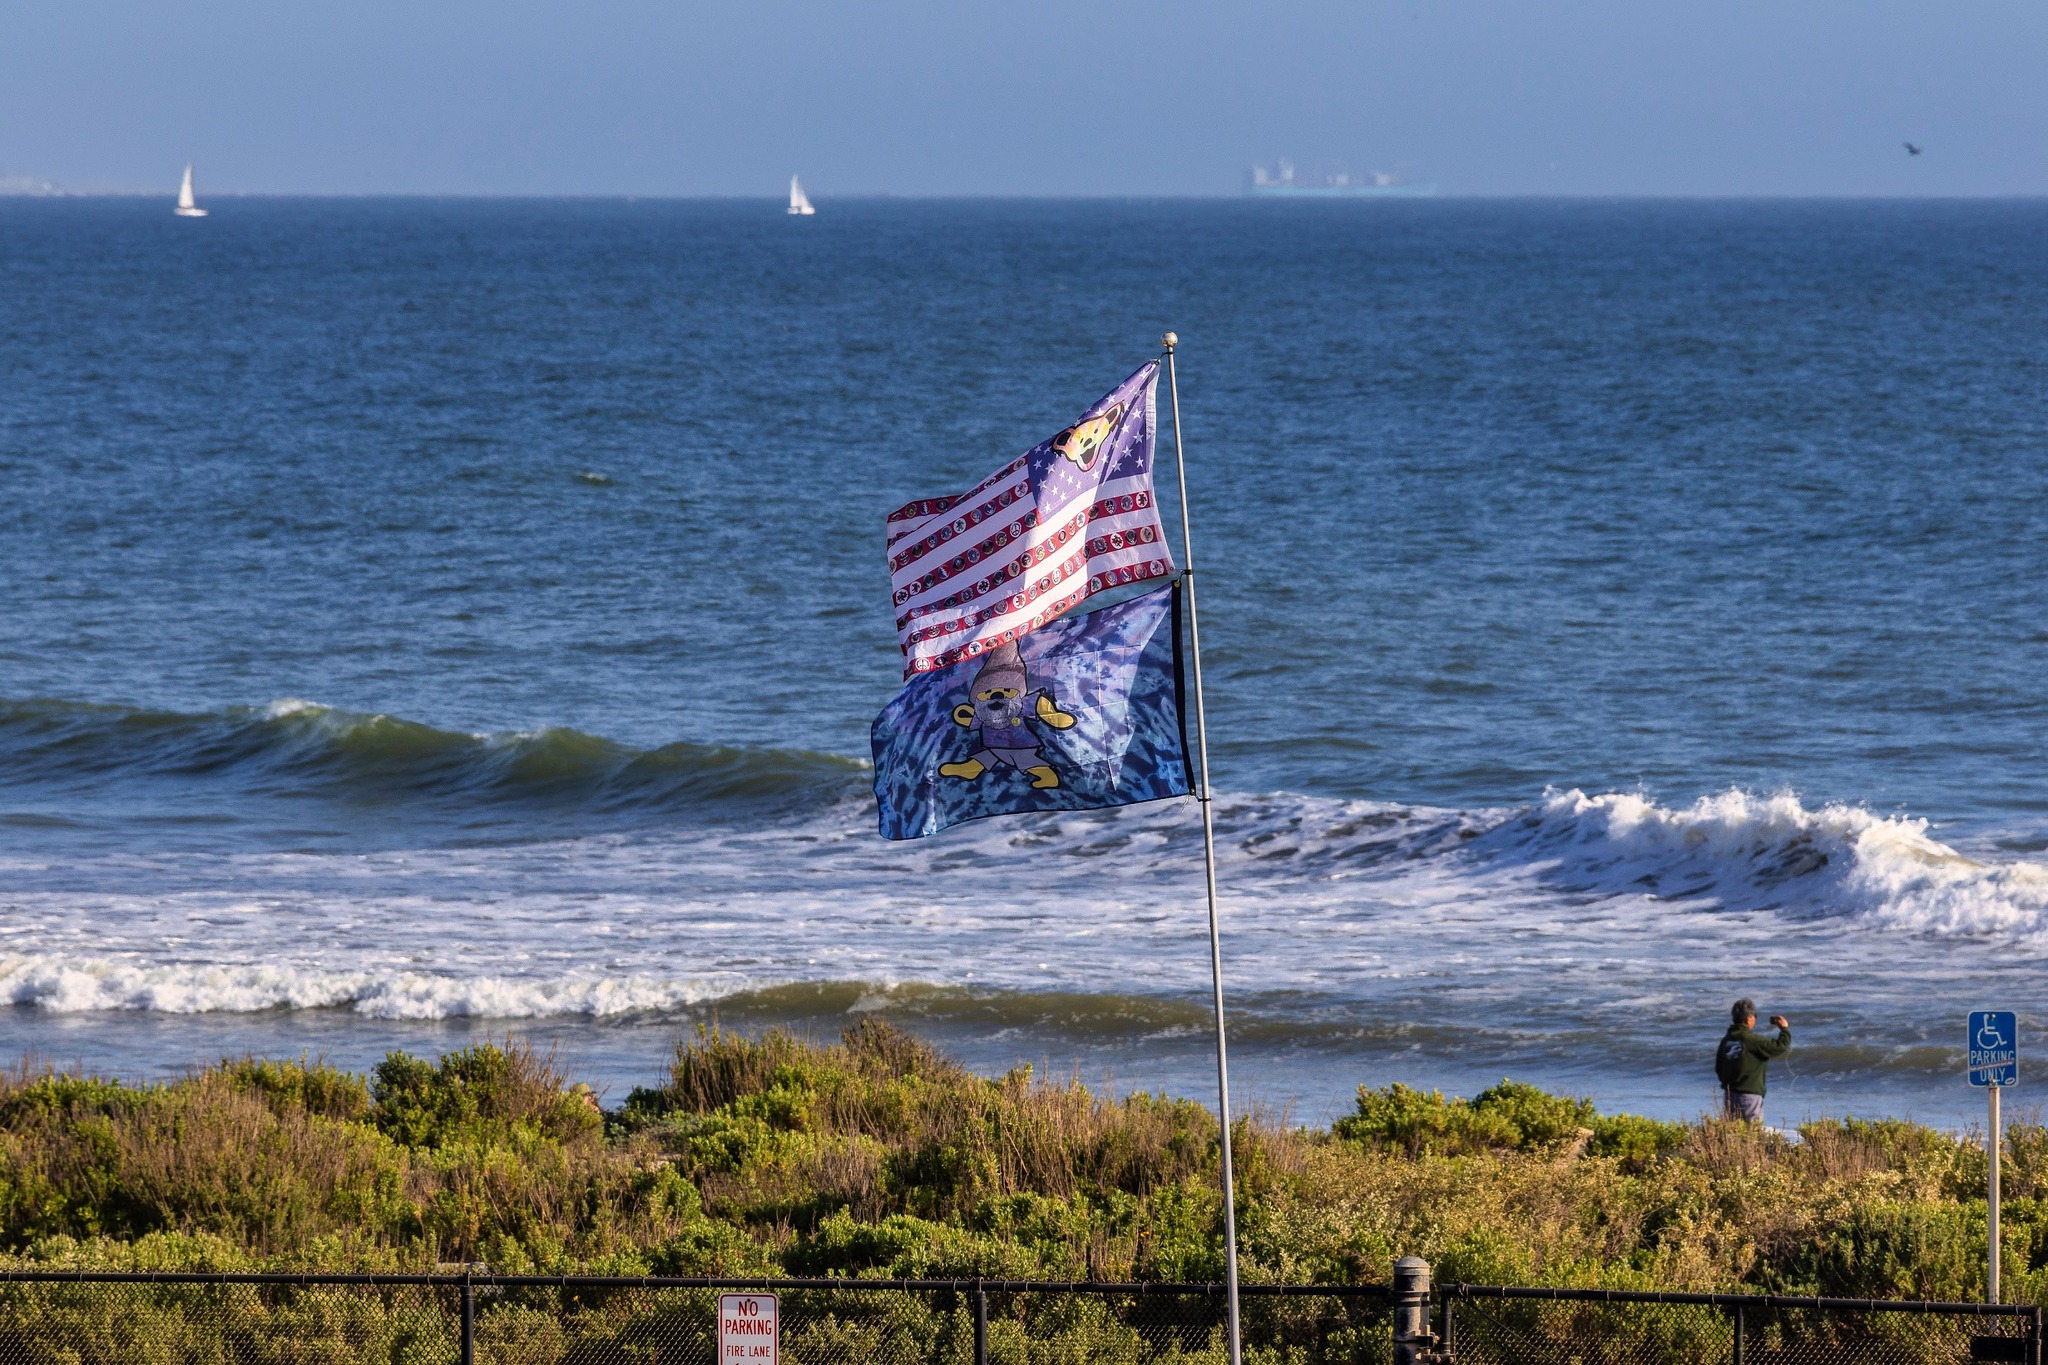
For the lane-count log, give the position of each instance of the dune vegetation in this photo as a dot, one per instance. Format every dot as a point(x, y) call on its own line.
point(877, 1156)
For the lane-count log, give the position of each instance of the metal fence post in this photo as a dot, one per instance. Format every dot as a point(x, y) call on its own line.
point(468, 1320)
point(980, 1324)
point(1736, 1313)
point(1412, 1339)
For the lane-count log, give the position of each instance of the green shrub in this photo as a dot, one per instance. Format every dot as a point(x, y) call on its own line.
point(1535, 1118)
point(1507, 1117)
point(479, 1095)
point(1400, 1119)
point(875, 1155)
point(726, 1143)
point(899, 1245)
point(313, 1087)
point(1887, 1250)
point(52, 1095)
point(1635, 1139)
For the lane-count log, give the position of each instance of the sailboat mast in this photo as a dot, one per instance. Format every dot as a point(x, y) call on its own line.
point(187, 208)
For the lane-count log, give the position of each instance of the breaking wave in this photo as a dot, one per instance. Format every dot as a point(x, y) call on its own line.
point(82, 985)
point(1732, 851)
point(301, 748)
point(1725, 852)
point(672, 921)
point(78, 985)
point(1740, 851)
point(782, 886)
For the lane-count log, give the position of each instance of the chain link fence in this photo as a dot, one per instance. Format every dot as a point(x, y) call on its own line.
point(195, 1319)
point(85, 1318)
point(1488, 1325)
point(110, 1318)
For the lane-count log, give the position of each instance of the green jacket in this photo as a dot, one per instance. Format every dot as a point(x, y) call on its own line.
point(1757, 1051)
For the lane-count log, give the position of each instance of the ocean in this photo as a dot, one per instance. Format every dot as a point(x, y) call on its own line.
point(429, 621)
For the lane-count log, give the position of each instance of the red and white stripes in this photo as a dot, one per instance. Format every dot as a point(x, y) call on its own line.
point(980, 569)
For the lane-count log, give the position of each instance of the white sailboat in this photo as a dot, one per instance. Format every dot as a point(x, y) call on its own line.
point(186, 208)
point(799, 202)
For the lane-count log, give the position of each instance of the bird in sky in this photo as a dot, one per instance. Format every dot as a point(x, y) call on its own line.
point(1912, 149)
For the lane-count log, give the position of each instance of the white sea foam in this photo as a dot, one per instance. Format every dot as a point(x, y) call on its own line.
point(1326, 902)
point(1740, 851)
point(77, 985)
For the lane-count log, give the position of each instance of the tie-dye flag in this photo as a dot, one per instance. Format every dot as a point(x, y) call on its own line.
point(1081, 713)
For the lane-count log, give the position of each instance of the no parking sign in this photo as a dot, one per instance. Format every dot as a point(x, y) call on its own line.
point(748, 1330)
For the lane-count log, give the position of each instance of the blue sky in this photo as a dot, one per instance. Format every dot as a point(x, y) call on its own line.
point(1047, 97)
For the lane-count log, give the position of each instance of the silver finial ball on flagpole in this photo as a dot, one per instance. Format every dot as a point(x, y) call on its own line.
point(1169, 341)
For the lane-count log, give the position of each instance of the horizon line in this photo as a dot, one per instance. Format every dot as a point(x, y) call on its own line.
point(858, 196)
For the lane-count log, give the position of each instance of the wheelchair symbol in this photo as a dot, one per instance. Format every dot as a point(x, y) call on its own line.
point(1988, 1036)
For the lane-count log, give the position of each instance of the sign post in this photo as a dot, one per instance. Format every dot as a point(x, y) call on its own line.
point(1994, 1048)
point(748, 1330)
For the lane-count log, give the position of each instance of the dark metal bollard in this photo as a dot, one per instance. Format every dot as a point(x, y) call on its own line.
point(1414, 1343)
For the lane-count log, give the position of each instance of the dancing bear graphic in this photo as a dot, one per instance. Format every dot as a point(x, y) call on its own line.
point(1003, 709)
point(1082, 442)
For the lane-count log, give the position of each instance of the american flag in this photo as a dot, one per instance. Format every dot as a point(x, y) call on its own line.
point(1069, 517)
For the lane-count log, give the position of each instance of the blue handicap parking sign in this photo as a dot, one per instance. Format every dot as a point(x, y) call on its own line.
point(1994, 1048)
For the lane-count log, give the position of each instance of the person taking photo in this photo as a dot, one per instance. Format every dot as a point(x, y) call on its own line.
point(1741, 1058)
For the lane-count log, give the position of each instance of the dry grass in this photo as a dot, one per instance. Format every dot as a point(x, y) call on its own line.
point(884, 1111)
point(877, 1154)
point(275, 1159)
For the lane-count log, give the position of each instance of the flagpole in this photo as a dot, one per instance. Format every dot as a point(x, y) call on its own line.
point(1168, 342)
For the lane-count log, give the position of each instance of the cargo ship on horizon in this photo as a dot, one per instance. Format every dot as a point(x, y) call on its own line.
point(1282, 183)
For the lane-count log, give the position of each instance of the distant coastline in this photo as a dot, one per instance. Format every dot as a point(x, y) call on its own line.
point(35, 187)
point(28, 187)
